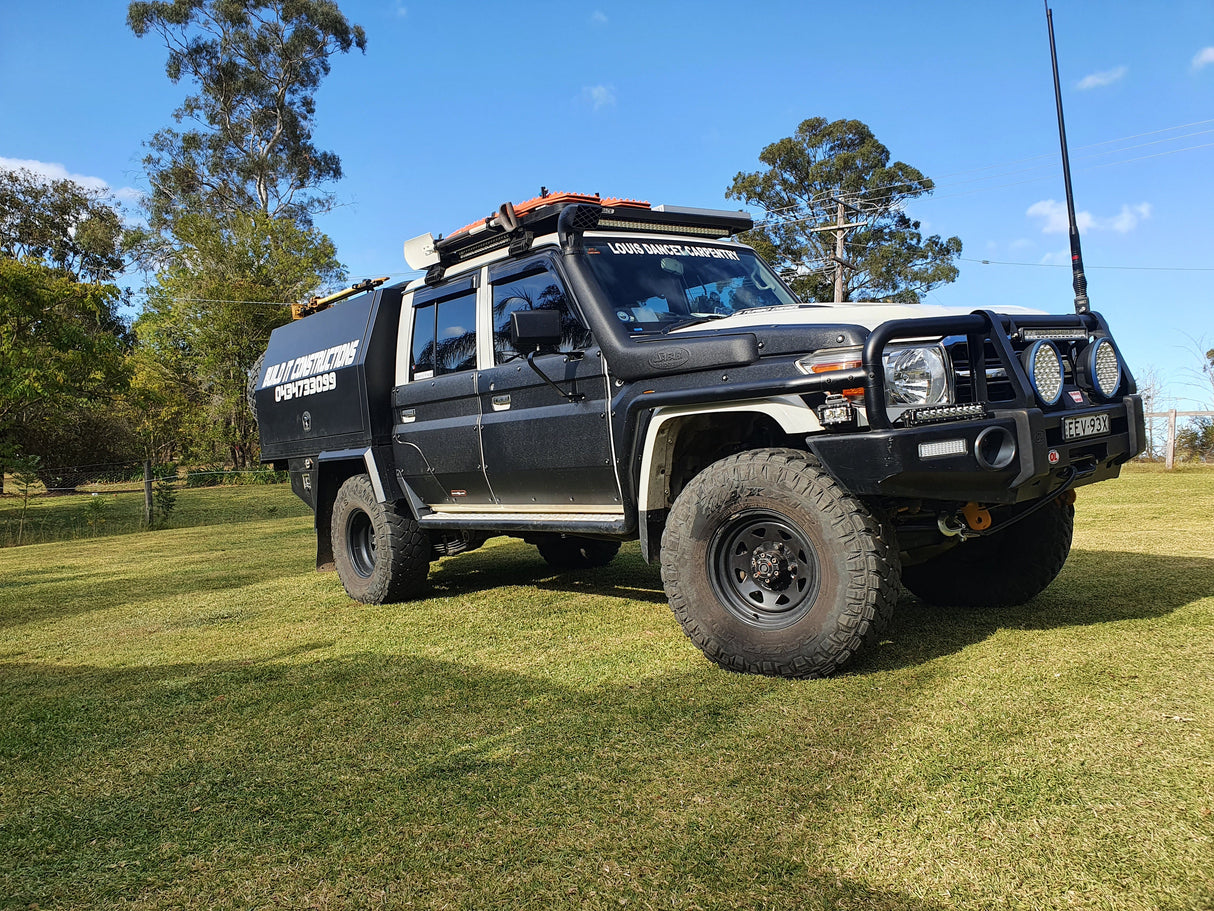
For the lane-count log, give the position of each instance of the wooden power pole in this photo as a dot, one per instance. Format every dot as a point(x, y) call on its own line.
point(840, 227)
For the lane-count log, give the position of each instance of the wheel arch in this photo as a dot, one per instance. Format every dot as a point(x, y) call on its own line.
point(682, 441)
point(332, 470)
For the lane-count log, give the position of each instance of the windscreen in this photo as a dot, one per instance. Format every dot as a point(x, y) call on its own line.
point(653, 287)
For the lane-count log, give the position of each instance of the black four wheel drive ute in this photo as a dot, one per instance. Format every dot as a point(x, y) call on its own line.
point(579, 372)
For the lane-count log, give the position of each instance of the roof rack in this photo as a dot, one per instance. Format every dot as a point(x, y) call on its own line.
point(569, 215)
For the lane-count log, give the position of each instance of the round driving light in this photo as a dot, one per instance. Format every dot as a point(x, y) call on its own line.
point(1102, 366)
point(1043, 364)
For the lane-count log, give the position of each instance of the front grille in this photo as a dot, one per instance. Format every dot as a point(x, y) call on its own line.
point(999, 387)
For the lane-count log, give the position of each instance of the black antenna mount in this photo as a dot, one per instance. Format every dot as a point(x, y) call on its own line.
point(1080, 280)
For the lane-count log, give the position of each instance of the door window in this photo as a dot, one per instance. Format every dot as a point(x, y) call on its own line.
point(538, 290)
point(444, 336)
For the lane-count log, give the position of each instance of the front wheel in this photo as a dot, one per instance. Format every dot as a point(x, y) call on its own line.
point(380, 552)
point(772, 568)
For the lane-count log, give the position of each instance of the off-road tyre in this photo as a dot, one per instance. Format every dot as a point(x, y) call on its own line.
point(772, 568)
point(380, 553)
point(571, 552)
point(1007, 568)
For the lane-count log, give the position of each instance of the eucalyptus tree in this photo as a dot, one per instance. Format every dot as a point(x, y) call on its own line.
point(255, 66)
point(832, 172)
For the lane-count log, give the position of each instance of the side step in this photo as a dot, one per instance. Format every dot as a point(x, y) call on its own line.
point(566, 522)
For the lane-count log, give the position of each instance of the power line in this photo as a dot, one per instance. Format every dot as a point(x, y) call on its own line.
point(1084, 148)
point(868, 195)
point(214, 300)
point(997, 262)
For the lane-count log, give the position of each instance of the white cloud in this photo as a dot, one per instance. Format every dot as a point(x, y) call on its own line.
point(51, 171)
point(1055, 219)
point(598, 17)
point(599, 96)
point(1204, 57)
point(401, 11)
point(129, 195)
point(1129, 216)
point(129, 198)
point(1057, 258)
point(1107, 77)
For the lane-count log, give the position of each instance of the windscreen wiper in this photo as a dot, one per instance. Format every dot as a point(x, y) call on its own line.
point(692, 321)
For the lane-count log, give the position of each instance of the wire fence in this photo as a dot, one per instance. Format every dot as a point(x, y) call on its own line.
point(113, 498)
point(67, 503)
point(132, 477)
point(1179, 436)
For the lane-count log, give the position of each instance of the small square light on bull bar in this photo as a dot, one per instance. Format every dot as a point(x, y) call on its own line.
point(943, 448)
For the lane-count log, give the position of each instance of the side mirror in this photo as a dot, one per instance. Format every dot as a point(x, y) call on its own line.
point(531, 330)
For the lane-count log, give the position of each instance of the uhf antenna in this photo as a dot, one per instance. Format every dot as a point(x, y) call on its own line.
point(1080, 280)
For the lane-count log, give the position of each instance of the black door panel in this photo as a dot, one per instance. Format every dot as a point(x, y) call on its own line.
point(439, 418)
point(540, 448)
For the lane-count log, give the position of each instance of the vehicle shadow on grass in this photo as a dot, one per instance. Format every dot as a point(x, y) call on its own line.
point(1094, 587)
point(518, 563)
point(458, 785)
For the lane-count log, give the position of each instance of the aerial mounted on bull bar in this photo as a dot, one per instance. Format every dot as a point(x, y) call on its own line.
point(1080, 280)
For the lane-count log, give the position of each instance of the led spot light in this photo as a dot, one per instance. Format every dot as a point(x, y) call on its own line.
point(1043, 364)
point(1101, 366)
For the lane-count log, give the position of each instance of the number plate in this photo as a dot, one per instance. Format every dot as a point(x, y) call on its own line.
point(1090, 425)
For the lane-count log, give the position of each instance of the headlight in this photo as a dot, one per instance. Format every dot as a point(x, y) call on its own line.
point(1101, 366)
point(1043, 364)
point(916, 375)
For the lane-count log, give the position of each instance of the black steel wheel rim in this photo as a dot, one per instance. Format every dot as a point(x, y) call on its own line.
point(360, 543)
point(763, 569)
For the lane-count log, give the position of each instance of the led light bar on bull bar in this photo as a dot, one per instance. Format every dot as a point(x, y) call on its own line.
point(1058, 335)
point(943, 448)
point(935, 413)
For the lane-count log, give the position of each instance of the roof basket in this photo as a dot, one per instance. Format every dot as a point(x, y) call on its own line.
point(515, 225)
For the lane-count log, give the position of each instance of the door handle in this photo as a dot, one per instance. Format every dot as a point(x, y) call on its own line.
point(501, 402)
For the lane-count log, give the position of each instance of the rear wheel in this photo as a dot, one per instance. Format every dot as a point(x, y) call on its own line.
point(380, 553)
point(772, 568)
point(1000, 570)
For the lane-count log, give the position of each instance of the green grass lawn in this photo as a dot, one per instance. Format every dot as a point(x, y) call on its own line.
point(193, 718)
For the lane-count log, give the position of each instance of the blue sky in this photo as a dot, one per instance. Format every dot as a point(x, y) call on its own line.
point(457, 107)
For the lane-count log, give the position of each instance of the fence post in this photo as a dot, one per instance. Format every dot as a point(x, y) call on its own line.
point(1170, 458)
point(147, 492)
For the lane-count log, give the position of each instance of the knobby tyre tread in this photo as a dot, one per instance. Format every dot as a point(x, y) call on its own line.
point(857, 563)
point(402, 547)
